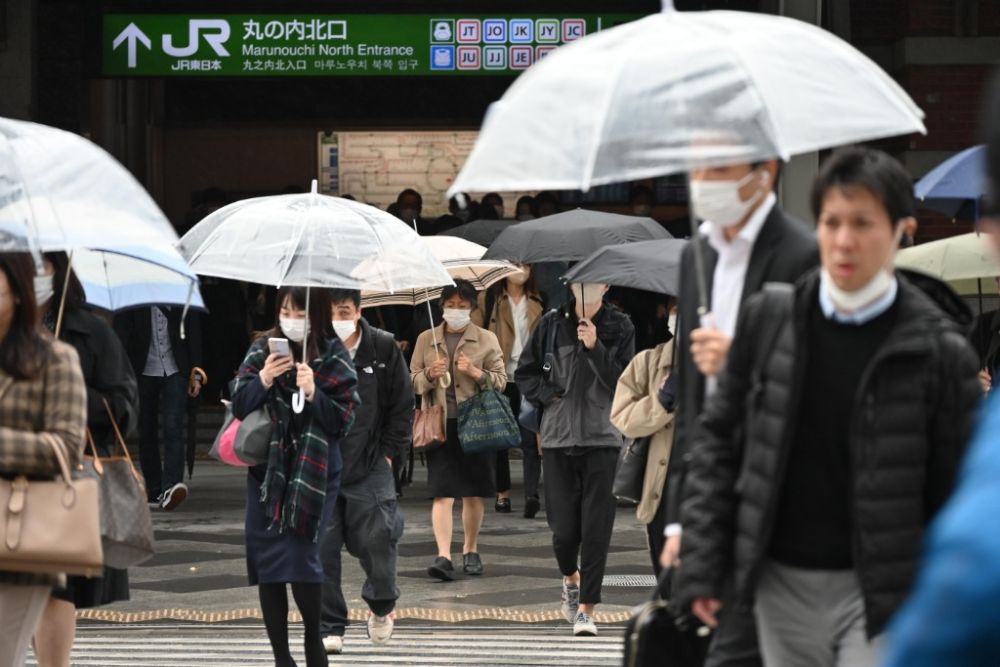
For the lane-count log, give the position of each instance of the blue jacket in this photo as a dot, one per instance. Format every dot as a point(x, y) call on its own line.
point(953, 615)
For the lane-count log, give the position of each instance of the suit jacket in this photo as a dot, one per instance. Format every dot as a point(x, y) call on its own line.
point(785, 249)
point(135, 328)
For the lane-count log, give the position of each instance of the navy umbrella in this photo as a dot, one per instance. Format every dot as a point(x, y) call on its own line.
point(653, 266)
point(571, 236)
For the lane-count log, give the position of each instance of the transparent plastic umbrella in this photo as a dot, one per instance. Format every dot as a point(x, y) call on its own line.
point(311, 240)
point(61, 192)
point(676, 91)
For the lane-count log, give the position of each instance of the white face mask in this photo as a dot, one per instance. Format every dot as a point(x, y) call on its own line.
point(719, 201)
point(588, 293)
point(520, 278)
point(294, 328)
point(43, 289)
point(850, 302)
point(672, 323)
point(344, 328)
point(457, 318)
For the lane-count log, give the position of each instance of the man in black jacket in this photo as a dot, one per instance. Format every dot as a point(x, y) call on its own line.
point(367, 518)
point(747, 241)
point(168, 368)
point(569, 369)
point(855, 392)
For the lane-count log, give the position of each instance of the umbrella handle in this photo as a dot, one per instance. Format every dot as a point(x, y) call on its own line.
point(299, 401)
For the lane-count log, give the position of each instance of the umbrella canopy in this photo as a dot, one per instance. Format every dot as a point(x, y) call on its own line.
point(311, 240)
point(959, 179)
point(653, 266)
point(483, 232)
point(677, 91)
point(462, 259)
point(571, 236)
point(59, 191)
point(952, 259)
point(114, 282)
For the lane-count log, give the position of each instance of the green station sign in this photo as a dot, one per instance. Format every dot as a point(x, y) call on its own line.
point(337, 45)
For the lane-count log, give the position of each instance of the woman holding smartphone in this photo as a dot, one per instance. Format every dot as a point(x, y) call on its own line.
point(291, 498)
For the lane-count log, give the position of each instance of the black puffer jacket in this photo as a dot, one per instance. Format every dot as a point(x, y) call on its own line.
point(913, 415)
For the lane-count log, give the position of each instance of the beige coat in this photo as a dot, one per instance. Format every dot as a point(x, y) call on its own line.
point(637, 413)
point(501, 321)
point(478, 344)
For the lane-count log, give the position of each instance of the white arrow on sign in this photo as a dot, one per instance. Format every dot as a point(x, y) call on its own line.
point(133, 34)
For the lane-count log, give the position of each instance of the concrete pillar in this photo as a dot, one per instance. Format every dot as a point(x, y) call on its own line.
point(17, 36)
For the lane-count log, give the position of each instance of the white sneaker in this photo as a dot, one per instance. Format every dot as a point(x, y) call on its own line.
point(570, 601)
point(380, 628)
point(174, 496)
point(584, 626)
point(334, 645)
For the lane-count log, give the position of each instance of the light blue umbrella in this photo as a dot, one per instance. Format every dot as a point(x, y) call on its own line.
point(116, 282)
point(954, 182)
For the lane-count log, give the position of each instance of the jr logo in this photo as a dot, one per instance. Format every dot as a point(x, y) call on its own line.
point(215, 32)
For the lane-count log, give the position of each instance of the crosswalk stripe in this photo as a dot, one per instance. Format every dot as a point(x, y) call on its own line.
point(210, 646)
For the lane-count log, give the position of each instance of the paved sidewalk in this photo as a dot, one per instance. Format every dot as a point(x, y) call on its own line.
point(199, 573)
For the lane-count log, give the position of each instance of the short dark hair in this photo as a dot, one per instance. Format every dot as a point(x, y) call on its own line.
point(990, 130)
point(410, 192)
point(464, 289)
point(872, 170)
point(75, 295)
point(526, 200)
point(24, 349)
point(338, 295)
point(492, 198)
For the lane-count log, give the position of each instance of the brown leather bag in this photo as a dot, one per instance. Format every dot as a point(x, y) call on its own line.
point(428, 425)
point(51, 526)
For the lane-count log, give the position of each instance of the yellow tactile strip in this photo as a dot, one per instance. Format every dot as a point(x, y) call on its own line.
point(413, 613)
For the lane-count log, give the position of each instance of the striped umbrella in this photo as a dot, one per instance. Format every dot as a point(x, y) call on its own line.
point(462, 259)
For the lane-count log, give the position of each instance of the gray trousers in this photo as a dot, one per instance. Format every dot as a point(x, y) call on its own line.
point(813, 618)
point(367, 521)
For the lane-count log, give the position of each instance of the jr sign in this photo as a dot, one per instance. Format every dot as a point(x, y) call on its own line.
point(325, 45)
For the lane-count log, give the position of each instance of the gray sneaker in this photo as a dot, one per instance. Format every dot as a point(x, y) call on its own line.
point(584, 626)
point(570, 601)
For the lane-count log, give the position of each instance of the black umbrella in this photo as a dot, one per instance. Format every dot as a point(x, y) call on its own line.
point(571, 236)
point(483, 232)
point(653, 266)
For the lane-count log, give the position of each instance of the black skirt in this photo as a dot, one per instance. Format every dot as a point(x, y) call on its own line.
point(451, 473)
point(86, 593)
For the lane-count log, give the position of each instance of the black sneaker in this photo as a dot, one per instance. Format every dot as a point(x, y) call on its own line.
point(442, 569)
point(531, 507)
point(174, 496)
point(473, 564)
point(503, 505)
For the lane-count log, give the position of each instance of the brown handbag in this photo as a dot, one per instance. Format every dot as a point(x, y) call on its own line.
point(51, 526)
point(428, 425)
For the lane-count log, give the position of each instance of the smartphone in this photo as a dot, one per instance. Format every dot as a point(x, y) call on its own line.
point(279, 346)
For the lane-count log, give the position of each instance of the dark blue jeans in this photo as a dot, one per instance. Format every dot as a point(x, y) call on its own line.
point(164, 397)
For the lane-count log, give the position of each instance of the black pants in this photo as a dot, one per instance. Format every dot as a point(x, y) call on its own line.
point(529, 449)
point(368, 522)
point(581, 513)
point(166, 396)
point(655, 538)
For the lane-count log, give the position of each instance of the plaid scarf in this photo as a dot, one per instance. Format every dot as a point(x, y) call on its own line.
point(294, 488)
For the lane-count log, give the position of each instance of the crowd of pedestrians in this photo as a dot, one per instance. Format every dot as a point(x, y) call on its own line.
point(808, 424)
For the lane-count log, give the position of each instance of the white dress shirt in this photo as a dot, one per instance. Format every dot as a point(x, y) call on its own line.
point(519, 311)
point(731, 270)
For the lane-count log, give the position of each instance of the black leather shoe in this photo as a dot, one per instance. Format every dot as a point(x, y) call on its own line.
point(442, 569)
point(473, 564)
point(531, 507)
point(503, 505)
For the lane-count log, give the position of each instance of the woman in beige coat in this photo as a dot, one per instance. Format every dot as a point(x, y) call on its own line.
point(637, 413)
point(464, 359)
